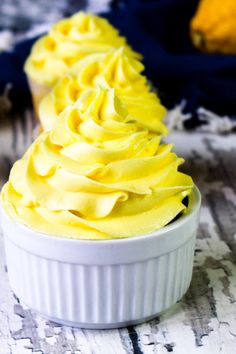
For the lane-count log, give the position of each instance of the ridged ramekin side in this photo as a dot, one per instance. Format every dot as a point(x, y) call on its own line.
point(100, 295)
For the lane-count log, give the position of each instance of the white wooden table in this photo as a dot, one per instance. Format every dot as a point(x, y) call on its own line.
point(203, 322)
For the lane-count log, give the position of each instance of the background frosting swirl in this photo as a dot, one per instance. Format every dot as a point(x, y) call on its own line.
point(68, 41)
point(99, 173)
point(114, 69)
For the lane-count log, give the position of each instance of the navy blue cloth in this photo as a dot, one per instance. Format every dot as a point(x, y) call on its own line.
point(159, 29)
point(11, 71)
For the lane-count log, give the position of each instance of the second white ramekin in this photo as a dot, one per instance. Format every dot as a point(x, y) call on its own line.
point(102, 284)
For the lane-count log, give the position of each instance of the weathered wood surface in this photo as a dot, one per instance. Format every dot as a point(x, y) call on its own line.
point(203, 322)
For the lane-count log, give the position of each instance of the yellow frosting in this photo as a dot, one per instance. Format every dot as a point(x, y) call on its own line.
point(98, 174)
point(68, 41)
point(116, 70)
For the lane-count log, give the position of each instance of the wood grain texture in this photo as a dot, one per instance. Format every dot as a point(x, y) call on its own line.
point(203, 322)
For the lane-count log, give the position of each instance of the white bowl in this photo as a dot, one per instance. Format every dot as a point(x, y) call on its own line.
point(102, 284)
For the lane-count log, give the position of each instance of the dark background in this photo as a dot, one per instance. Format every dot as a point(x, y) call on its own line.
point(159, 29)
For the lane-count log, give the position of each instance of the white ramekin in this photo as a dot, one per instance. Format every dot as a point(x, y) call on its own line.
point(102, 284)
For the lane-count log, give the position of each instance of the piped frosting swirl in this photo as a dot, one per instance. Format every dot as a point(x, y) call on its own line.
point(67, 42)
point(114, 69)
point(98, 174)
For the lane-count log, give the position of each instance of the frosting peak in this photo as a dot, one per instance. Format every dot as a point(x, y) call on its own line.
point(83, 27)
point(99, 173)
point(114, 69)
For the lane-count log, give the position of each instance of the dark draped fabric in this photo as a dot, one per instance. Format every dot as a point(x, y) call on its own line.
point(159, 29)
